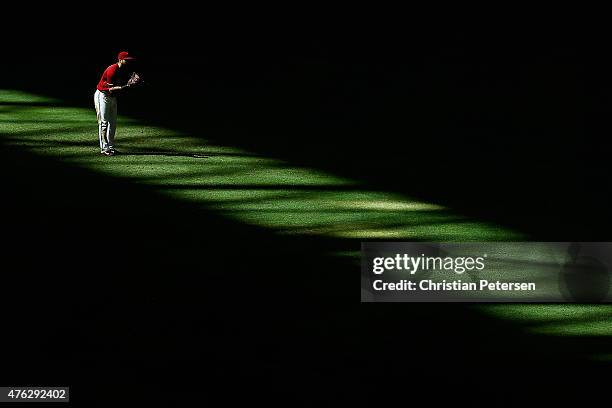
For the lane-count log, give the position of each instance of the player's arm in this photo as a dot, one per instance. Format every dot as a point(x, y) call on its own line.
point(112, 87)
point(132, 81)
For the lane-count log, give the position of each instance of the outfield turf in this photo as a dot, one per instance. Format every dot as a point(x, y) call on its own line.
point(258, 190)
point(267, 193)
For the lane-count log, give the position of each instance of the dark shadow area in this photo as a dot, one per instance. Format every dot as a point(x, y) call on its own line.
point(503, 128)
point(161, 293)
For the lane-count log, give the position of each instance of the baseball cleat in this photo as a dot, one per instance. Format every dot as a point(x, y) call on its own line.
point(109, 153)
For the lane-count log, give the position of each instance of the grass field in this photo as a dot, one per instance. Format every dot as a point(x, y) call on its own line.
point(262, 191)
point(268, 193)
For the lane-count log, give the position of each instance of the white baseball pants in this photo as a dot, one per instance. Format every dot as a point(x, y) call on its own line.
point(106, 112)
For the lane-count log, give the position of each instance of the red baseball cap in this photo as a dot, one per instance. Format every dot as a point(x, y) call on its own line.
point(123, 55)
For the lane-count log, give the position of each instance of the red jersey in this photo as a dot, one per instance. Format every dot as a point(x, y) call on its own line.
point(110, 78)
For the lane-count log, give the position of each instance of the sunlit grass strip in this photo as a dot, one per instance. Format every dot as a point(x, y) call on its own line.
point(238, 184)
point(563, 320)
point(600, 327)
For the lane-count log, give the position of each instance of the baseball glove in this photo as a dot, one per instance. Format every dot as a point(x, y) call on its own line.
point(134, 80)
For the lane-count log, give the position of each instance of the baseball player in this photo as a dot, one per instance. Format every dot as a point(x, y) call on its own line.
point(114, 79)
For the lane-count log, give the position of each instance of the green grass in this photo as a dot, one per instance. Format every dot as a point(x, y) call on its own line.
point(268, 193)
point(562, 320)
point(262, 191)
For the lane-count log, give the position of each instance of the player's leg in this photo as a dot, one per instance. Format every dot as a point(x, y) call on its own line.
point(105, 112)
point(99, 119)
